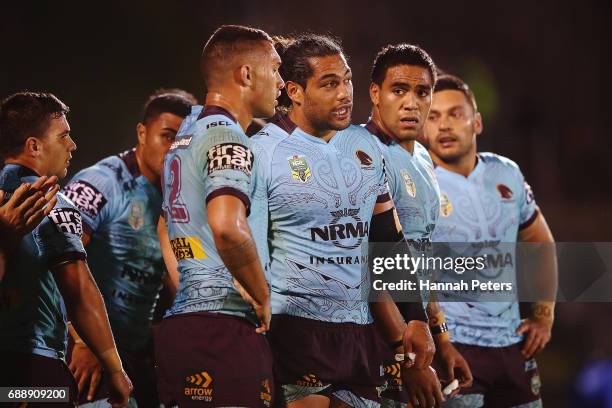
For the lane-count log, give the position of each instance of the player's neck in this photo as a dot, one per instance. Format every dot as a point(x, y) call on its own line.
point(406, 144)
point(238, 110)
point(297, 117)
point(26, 162)
point(149, 174)
point(463, 165)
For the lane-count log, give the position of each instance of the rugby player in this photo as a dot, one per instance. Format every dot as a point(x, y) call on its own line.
point(209, 350)
point(485, 199)
point(120, 202)
point(402, 81)
point(22, 211)
point(48, 279)
point(320, 196)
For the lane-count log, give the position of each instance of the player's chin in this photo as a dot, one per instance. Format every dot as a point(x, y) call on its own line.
point(337, 124)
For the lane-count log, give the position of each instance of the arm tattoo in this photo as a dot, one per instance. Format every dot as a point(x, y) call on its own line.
point(240, 255)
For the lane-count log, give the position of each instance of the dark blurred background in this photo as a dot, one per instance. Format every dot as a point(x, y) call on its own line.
point(538, 70)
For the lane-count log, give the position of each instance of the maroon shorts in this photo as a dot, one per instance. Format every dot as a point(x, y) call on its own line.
point(330, 357)
point(32, 370)
point(502, 375)
point(212, 359)
point(394, 389)
point(140, 368)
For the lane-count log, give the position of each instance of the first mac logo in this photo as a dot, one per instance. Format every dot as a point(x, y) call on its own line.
point(67, 220)
point(86, 197)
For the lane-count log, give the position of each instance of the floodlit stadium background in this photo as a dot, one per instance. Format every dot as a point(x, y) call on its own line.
point(539, 71)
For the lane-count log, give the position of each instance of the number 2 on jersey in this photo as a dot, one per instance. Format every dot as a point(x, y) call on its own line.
point(176, 209)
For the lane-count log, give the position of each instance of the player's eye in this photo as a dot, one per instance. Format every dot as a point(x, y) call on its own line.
point(423, 93)
point(331, 84)
point(432, 118)
point(399, 91)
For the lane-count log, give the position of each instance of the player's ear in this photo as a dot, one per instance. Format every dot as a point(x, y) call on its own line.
point(244, 75)
point(295, 92)
point(32, 146)
point(478, 123)
point(141, 132)
point(374, 93)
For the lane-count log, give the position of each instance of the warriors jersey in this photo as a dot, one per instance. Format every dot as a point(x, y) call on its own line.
point(32, 311)
point(319, 197)
point(485, 209)
point(210, 157)
point(120, 210)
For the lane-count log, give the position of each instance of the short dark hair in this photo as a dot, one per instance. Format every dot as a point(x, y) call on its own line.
point(449, 82)
point(226, 41)
point(401, 54)
point(296, 51)
point(26, 114)
point(171, 100)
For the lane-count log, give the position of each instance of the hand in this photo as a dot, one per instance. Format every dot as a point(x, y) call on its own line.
point(28, 205)
point(120, 389)
point(263, 312)
point(86, 369)
point(449, 360)
point(423, 386)
point(417, 339)
point(538, 333)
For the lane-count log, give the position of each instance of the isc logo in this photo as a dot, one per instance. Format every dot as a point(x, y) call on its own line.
point(230, 156)
point(67, 220)
point(219, 123)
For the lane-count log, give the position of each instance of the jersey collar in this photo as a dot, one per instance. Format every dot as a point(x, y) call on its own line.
point(210, 110)
point(374, 129)
point(284, 122)
point(129, 158)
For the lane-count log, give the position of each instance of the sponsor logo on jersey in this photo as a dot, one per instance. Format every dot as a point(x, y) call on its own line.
point(218, 123)
point(265, 393)
point(364, 159)
point(187, 248)
point(346, 225)
point(140, 276)
point(230, 156)
point(136, 217)
point(446, 207)
point(181, 142)
point(504, 191)
point(300, 170)
point(67, 220)
point(408, 183)
point(86, 197)
point(198, 387)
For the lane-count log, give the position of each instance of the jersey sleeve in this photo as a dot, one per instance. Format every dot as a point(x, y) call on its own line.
point(91, 190)
point(259, 216)
point(229, 164)
point(384, 190)
point(528, 210)
point(58, 236)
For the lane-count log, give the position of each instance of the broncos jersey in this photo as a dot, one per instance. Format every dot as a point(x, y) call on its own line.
point(319, 197)
point(485, 209)
point(210, 157)
point(413, 186)
point(32, 311)
point(120, 210)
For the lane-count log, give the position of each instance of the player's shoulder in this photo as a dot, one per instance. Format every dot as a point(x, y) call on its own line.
point(359, 135)
point(499, 163)
point(422, 153)
point(270, 136)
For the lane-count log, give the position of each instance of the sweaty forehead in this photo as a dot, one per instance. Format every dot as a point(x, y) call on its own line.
point(330, 64)
point(409, 74)
point(449, 99)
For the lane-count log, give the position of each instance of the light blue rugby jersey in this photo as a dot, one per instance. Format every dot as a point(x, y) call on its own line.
point(120, 209)
point(413, 186)
point(319, 197)
point(490, 206)
point(32, 311)
point(415, 192)
point(210, 157)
